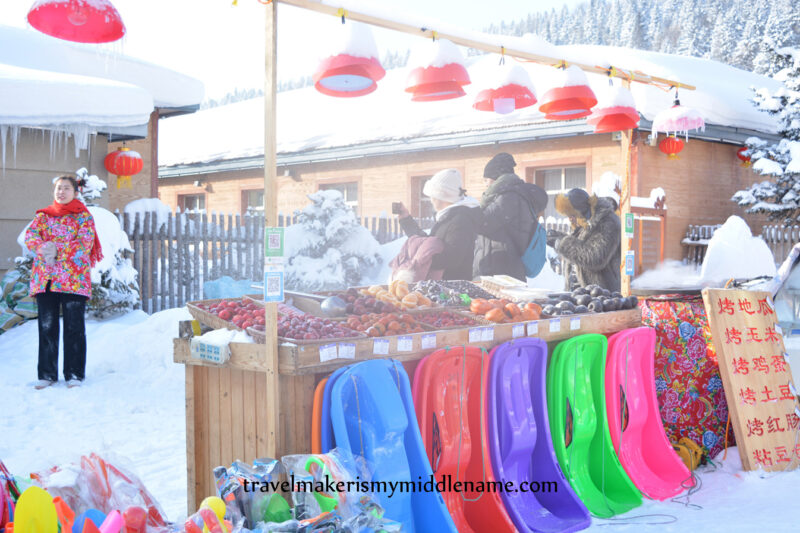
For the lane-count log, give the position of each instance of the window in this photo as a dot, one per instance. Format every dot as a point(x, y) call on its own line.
point(559, 180)
point(421, 204)
point(349, 191)
point(253, 201)
point(192, 203)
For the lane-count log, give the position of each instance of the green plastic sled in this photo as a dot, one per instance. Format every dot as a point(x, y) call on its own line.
point(576, 405)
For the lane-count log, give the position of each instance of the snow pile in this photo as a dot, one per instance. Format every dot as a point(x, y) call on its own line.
point(328, 248)
point(437, 54)
point(148, 205)
point(616, 96)
point(509, 74)
point(608, 186)
point(131, 403)
point(733, 252)
point(354, 39)
point(387, 252)
point(649, 202)
point(669, 275)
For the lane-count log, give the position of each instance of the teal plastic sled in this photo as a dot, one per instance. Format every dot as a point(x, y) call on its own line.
point(576, 404)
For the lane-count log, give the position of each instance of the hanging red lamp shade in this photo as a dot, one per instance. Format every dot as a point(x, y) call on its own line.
point(80, 21)
point(617, 112)
point(125, 163)
point(572, 97)
point(353, 69)
point(514, 91)
point(740, 153)
point(443, 77)
point(671, 146)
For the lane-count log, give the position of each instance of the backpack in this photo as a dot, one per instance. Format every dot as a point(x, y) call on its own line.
point(535, 254)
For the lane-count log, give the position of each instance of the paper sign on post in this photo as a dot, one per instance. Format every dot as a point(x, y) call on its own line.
point(517, 330)
point(475, 334)
point(574, 323)
point(347, 350)
point(273, 242)
point(629, 224)
point(555, 325)
point(487, 334)
point(533, 329)
point(273, 283)
point(630, 263)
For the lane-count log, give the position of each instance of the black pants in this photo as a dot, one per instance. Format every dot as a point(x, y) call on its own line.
point(73, 307)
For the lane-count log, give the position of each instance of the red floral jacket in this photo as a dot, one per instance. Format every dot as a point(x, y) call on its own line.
point(74, 236)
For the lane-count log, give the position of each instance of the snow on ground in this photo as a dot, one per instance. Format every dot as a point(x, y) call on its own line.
point(131, 404)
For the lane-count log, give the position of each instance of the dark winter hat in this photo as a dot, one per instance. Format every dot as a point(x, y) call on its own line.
point(540, 198)
point(502, 163)
point(574, 203)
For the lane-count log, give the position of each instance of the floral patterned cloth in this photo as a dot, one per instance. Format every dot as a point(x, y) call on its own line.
point(688, 384)
point(74, 237)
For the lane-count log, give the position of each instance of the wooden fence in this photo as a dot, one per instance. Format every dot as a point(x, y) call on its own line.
point(175, 256)
point(780, 240)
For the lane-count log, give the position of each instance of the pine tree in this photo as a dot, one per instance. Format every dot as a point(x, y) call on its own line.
point(591, 23)
point(722, 45)
point(779, 197)
point(655, 27)
point(780, 30)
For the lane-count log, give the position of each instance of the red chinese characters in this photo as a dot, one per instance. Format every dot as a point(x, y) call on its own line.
point(733, 335)
point(725, 306)
point(747, 396)
point(741, 366)
point(755, 427)
point(760, 364)
point(746, 306)
point(779, 363)
point(762, 457)
point(774, 425)
point(764, 307)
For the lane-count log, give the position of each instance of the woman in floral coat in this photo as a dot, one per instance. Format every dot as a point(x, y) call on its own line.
point(64, 240)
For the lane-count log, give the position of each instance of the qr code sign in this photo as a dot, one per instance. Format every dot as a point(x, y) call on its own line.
point(273, 285)
point(274, 241)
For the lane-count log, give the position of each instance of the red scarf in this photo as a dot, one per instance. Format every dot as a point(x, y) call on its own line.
point(72, 208)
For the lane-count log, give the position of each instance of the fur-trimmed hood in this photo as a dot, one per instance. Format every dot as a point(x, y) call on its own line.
point(598, 207)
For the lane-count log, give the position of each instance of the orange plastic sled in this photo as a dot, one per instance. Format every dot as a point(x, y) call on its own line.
point(316, 417)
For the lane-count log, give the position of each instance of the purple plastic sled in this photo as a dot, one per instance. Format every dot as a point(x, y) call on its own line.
point(519, 440)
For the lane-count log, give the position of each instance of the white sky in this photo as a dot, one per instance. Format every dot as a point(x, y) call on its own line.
point(223, 45)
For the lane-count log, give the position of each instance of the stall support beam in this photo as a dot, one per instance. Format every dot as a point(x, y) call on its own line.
point(270, 381)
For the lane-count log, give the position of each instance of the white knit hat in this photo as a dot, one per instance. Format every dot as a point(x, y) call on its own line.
point(445, 185)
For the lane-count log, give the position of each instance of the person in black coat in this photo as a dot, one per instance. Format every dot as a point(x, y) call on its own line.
point(508, 221)
point(457, 219)
point(592, 251)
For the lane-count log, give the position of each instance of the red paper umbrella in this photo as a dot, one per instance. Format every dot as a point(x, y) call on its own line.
point(512, 90)
point(745, 158)
point(437, 83)
point(81, 21)
point(571, 98)
point(671, 146)
point(344, 75)
point(125, 163)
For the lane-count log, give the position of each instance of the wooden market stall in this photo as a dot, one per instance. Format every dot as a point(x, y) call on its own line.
point(258, 404)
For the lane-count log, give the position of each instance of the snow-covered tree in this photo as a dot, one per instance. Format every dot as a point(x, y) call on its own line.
point(327, 248)
point(781, 30)
point(779, 196)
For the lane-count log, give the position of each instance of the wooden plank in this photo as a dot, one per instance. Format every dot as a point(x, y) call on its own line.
point(179, 266)
point(225, 417)
point(213, 420)
point(470, 42)
point(264, 424)
point(215, 268)
point(756, 377)
point(626, 243)
point(144, 275)
point(172, 271)
point(163, 245)
point(202, 462)
point(272, 400)
point(231, 269)
point(239, 408)
point(249, 402)
point(204, 253)
point(244, 356)
point(191, 449)
point(239, 245)
point(151, 266)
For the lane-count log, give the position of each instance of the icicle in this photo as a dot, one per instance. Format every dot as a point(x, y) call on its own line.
point(14, 141)
point(3, 134)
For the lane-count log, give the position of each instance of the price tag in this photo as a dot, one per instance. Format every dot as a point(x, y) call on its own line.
point(475, 334)
point(327, 353)
point(533, 329)
point(347, 350)
point(429, 341)
point(555, 325)
point(574, 323)
point(487, 334)
point(517, 330)
point(380, 347)
point(405, 343)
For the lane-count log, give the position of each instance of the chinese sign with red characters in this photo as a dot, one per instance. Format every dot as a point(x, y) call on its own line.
point(753, 363)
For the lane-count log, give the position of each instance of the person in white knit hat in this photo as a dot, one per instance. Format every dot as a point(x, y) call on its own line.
point(458, 218)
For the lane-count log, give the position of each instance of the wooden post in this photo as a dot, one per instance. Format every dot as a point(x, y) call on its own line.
point(625, 204)
point(270, 378)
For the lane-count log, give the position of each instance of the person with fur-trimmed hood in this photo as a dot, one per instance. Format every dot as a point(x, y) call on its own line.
point(592, 250)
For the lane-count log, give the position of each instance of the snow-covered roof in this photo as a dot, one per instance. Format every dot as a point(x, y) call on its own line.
point(78, 88)
point(309, 121)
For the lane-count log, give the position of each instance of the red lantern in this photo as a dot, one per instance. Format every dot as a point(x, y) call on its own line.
point(671, 146)
point(125, 163)
point(745, 158)
point(344, 75)
point(80, 21)
point(571, 99)
point(616, 113)
point(437, 83)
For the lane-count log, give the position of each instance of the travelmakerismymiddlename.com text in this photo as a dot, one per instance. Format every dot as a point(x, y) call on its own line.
point(446, 484)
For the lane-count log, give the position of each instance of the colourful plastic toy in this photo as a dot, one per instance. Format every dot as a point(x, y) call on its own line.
point(92, 515)
point(449, 398)
point(66, 516)
point(35, 512)
point(640, 440)
point(519, 441)
point(576, 405)
point(135, 520)
point(373, 416)
point(316, 417)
